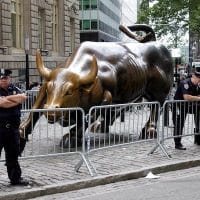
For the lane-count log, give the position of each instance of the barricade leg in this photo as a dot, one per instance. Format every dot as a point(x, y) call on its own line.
point(89, 166)
point(159, 144)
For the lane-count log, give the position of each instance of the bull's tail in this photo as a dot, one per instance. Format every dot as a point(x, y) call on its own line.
point(149, 32)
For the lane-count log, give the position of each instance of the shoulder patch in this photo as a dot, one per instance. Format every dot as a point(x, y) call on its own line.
point(186, 86)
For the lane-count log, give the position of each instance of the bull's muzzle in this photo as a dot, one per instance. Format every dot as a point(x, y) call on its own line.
point(52, 116)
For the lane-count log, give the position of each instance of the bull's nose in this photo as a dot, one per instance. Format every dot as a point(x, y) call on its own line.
point(47, 106)
point(51, 116)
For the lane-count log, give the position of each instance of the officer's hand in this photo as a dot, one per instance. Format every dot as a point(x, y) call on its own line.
point(20, 98)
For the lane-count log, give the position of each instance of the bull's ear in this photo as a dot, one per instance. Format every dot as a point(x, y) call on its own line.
point(90, 77)
point(43, 71)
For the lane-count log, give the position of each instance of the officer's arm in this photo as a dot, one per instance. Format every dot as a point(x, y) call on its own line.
point(12, 100)
point(189, 97)
point(5, 103)
point(17, 98)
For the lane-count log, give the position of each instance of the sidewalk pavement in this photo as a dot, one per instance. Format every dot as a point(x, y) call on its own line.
point(49, 175)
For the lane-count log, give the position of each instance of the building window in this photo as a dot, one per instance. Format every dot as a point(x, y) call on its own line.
point(86, 4)
point(93, 4)
point(17, 24)
point(55, 25)
point(94, 24)
point(41, 24)
point(86, 24)
point(72, 34)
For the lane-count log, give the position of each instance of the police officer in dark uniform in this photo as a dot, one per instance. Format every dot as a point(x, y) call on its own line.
point(189, 90)
point(10, 112)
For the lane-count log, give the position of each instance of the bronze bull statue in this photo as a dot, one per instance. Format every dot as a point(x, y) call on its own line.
point(107, 72)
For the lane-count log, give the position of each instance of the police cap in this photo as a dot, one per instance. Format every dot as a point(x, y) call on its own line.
point(5, 73)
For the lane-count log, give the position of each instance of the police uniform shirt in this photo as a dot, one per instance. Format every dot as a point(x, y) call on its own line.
point(13, 113)
point(186, 87)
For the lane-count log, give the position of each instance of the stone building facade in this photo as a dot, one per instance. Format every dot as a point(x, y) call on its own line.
point(26, 25)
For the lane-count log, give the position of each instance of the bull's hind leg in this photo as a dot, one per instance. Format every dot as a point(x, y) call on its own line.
point(72, 139)
point(149, 130)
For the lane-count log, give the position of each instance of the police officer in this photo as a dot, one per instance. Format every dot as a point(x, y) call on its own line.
point(10, 112)
point(189, 90)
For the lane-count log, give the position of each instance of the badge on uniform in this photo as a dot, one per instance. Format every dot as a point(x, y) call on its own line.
point(186, 86)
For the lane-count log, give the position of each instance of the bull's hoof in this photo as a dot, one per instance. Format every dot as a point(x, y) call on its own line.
point(149, 133)
point(70, 142)
point(152, 133)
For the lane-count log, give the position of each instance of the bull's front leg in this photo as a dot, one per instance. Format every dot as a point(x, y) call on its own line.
point(104, 122)
point(149, 130)
point(73, 138)
point(27, 125)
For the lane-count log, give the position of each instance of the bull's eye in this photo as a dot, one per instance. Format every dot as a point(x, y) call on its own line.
point(69, 92)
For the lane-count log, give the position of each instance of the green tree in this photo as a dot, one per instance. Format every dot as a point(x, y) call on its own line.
point(171, 16)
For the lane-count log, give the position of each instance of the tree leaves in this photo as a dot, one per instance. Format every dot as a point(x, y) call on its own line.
point(171, 16)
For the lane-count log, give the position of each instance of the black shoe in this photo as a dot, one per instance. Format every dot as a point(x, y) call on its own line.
point(180, 147)
point(197, 139)
point(21, 182)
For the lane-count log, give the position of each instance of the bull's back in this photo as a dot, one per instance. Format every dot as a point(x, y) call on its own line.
point(124, 68)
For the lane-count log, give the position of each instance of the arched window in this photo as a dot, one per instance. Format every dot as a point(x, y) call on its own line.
point(41, 24)
point(55, 25)
point(17, 24)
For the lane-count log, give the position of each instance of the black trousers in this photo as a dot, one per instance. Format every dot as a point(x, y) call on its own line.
point(179, 113)
point(9, 140)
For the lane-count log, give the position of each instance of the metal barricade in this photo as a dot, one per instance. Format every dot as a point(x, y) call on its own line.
point(31, 94)
point(121, 124)
point(52, 137)
point(179, 116)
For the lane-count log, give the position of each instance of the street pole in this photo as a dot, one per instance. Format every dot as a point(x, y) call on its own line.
point(176, 69)
point(27, 62)
point(27, 71)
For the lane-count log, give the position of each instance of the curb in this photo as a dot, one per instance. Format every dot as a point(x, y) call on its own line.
point(99, 180)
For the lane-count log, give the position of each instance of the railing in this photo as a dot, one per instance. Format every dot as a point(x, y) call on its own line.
point(180, 119)
point(69, 130)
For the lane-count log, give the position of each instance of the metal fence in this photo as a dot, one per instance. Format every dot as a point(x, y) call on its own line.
point(105, 127)
point(28, 104)
point(120, 124)
point(179, 117)
point(50, 137)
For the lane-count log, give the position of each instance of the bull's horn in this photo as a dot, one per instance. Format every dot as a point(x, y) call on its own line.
point(90, 77)
point(43, 71)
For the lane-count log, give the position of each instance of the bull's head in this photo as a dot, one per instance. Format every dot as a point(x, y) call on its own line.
point(64, 86)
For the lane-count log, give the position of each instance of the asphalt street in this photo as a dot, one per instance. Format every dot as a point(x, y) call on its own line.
point(180, 185)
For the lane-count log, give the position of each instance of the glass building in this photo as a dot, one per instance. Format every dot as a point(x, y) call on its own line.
point(99, 20)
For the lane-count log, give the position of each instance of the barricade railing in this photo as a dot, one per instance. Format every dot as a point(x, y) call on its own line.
point(106, 128)
point(177, 114)
point(31, 94)
point(120, 124)
point(50, 137)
